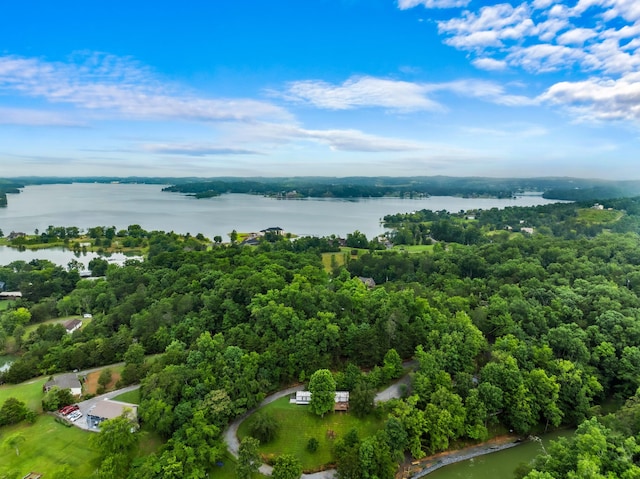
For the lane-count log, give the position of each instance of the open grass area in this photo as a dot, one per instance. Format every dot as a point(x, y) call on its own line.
point(32, 327)
point(338, 258)
point(4, 304)
point(132, 397)
point(47, 446)
point(29, 392)
point(298, 425)
point(593, 216)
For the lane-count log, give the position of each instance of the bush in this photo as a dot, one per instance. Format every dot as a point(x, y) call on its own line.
point(312, 445)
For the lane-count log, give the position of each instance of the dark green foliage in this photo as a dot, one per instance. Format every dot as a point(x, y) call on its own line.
point(56, 398)
point(13, 411)
point(248, 458)
point(323, 388)
point(529, 332)
point(361, 399)
point(312, 445)
point(264, 427)
point(286, 466)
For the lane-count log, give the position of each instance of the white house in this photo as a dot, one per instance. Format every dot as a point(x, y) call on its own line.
point(65, 381)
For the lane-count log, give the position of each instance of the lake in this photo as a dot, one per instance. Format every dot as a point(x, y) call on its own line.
point(497, 465)
point(93, 204)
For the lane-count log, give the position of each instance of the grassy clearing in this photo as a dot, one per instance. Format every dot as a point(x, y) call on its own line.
point(32, 327)
point(298, 425)
point(4, 304)
point(132, 397)
point(592, 216)
point(328, 262)
point(30, 392)
point(46, 448)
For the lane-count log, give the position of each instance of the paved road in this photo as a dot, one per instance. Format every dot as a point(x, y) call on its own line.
point(231, 434)
point(89, 404)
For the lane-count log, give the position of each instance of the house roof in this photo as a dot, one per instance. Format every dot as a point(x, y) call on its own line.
point(64, 381)
point(72, 324)
point(111, 409)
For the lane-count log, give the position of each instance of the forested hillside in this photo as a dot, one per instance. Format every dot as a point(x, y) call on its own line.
point(527, 330)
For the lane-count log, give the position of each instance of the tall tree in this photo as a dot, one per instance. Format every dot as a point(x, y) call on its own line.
point(248, 458)
point(286, 466)
point(322, 387)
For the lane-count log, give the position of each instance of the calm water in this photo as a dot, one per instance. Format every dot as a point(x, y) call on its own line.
point(498, 465)
point(60, 256)
point(87, 205)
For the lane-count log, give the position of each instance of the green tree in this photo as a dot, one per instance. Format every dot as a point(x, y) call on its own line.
point(56, 398)
point(392, 368)
point(322, 387)
point(12, 411)
point(361, 399)
point(264, 427)
point(248, 458)
point(104, 379)
point(286, 466)
point(116, 444)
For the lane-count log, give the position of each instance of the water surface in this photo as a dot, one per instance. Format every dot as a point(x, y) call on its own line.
point(93, 204)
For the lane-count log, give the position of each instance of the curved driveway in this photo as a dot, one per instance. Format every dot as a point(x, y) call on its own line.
point(231, 434)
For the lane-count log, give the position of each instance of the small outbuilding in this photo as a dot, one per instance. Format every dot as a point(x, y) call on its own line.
point(64, 381)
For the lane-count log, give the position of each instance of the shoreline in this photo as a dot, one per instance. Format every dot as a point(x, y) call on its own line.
point(434, 462)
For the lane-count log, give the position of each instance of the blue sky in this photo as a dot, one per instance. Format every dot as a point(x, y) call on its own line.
point(322, 87)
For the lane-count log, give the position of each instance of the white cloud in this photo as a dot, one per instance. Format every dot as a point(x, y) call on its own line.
point(396, 95)
point(544, 57)
point(489, 27)
point(359, 92)
point(599, 99)
point(195, 149)
point(576, 36)
point(545, 35)
point(406, 4)
point(29, 117)
point(489, 64)
point(115, 85)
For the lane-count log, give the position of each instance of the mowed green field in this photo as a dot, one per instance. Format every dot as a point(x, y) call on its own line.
point(132, 397)
point(29, 392)
point(298, 425)
point(46, 448)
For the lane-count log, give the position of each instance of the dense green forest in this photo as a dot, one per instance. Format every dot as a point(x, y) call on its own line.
point(528, 331)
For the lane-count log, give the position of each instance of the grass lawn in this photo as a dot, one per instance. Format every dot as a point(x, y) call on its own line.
point(298, 425)
point(29, 392)
point(47, 447)
point(593, 216)
point(132, 397)
point(4, 304)
point(32, 327)
point(327, 262)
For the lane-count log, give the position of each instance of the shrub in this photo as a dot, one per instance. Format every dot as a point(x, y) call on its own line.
point(312, 445)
